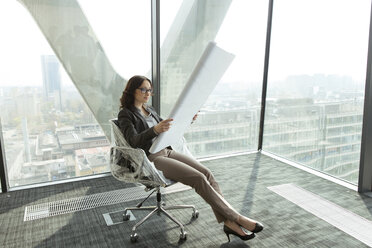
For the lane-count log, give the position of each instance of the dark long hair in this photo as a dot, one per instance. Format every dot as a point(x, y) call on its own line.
point(127, 98)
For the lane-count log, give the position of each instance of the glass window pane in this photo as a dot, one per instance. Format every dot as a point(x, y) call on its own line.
point(229, 120)
point(315, 97)
point(124, 31)
point(50, 133)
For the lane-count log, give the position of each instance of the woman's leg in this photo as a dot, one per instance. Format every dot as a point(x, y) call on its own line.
point(186, 174)
point(198, 166)
point(204, 170)
point(246, 222)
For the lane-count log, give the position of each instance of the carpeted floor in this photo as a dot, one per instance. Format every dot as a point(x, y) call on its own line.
point(243, 179)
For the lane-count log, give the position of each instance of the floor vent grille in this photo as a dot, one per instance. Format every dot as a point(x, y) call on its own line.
point(72, 205)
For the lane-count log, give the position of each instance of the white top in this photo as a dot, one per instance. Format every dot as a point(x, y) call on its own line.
point(150, 120)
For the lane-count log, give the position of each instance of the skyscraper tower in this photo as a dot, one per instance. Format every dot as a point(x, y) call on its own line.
point(51, 78)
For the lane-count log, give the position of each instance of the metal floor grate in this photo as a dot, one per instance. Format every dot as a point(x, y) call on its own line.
point(72, 205)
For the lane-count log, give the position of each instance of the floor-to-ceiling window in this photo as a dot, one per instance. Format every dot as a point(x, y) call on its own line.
point(65, 63)
point(228, 122)
point(315, 96)
point(63, 66)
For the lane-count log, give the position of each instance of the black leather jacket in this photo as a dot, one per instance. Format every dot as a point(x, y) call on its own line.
point(135, 129)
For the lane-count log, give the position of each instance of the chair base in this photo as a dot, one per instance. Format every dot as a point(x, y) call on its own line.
point(159, 209)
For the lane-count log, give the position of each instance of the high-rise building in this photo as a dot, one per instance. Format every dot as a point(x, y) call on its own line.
point(51, 78)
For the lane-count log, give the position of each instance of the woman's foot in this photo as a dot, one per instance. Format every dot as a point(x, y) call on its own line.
point(235, 227)
point(258, 228)
point(245, 237)
point(250, 225)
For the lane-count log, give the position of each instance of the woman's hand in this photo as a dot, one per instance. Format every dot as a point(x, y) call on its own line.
point(163, 126)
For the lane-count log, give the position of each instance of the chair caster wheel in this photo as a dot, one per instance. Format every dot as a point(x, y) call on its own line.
point(134, 238)
point(195, 214)
point(126, 217)
point(183, 236)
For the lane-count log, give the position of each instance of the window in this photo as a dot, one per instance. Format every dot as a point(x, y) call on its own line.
point(238, 27)
point(50, 131)
point(317, 72)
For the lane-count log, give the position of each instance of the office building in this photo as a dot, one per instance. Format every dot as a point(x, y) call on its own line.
point(52, 79)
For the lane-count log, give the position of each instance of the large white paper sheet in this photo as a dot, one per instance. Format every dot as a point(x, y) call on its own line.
point(207, 73)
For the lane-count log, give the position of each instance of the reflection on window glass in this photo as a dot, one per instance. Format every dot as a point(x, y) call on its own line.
point(228, 122)
point(124, 30)
point(315, 97)
point(49, 132)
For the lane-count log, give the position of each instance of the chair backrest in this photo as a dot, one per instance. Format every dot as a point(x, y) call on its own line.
point(130, 164)
point(118, 137)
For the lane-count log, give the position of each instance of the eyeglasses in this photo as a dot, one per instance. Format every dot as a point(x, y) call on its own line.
point(144, 90)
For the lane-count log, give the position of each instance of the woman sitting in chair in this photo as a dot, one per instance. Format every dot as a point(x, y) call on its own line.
point(140, 124)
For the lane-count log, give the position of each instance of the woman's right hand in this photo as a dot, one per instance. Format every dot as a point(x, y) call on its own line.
point(163, 126)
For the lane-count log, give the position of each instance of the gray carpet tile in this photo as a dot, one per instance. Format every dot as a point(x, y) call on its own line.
point(243, 179)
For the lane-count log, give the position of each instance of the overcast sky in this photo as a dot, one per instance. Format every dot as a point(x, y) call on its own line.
point(321, 36)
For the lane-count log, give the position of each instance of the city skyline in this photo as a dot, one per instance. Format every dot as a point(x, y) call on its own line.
point(232, 126)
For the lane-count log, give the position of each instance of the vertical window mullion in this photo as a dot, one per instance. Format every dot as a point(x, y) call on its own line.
point(155, 52)
point(266, 71)
point(3, 169)
point(365, 166)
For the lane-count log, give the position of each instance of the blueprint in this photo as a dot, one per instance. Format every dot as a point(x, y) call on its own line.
point(207, 73)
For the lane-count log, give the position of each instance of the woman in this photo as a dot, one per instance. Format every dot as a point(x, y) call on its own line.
point(140, 124)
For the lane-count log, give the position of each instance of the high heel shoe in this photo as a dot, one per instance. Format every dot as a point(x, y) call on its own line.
point(229, 231)
point(258, 227)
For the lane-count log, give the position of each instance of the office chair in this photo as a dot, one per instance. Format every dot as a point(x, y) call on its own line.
point(131, 165)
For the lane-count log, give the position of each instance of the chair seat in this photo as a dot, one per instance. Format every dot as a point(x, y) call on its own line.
point(130, 164)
